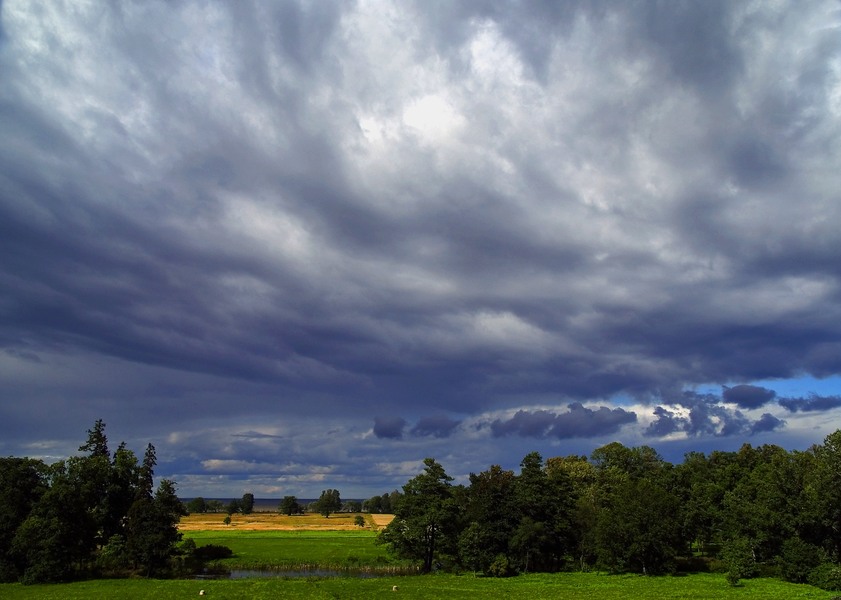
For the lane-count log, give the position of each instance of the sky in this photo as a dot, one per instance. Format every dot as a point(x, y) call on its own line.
point(305, 245)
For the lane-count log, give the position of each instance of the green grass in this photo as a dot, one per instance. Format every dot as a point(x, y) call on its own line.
point(351, 549)
point(327, 549)
point(570, 586)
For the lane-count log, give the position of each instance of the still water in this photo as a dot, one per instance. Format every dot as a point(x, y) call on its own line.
point(284, 573)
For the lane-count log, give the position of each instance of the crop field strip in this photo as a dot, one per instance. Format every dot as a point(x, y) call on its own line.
point(264, 521)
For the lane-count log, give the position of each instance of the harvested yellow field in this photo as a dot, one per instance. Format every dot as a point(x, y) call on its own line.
point(265, 521)
point(379, 521)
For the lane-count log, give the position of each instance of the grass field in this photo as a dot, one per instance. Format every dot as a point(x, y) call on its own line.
point(258, 549)
point(271, 540)
point(570, 586)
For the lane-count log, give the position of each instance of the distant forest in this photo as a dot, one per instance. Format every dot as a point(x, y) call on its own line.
point(757, 511)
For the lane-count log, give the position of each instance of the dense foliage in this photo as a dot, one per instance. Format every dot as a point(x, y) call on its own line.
point(758, 510)
point(329, 502)
point(95, 513)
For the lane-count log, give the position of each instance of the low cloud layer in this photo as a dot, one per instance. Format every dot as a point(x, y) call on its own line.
point(813, 403)
point(478, 226)
point(578, 421)
point(748, 396)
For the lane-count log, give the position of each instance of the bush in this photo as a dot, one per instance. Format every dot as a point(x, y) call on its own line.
point(500, 567)
point(113, 557)
point(738, 556)
point(798, 559)
point(694, 564)
point(212, 552)
point(187, 547)
point(826, 576)
point(716, 565)
point(732, 578)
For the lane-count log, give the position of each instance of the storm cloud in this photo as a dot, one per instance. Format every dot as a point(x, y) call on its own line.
point(389, 427)
point(243, 231)
point(748, 396)
point(437, 426)
point(813, 403)
point(578, 421)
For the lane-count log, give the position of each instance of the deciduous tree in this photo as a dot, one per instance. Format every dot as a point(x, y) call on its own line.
point(329, 502)
point(289, 506)
point(425, 523)
point(247, 503)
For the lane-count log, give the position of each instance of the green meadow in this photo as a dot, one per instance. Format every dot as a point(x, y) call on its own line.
point(569, 586)
point(298, 549)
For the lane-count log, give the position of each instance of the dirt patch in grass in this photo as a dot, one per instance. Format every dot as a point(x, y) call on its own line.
point(278, 522)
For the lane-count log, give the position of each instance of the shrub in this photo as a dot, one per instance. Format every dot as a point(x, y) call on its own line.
point(716, 565)
point(798, 559)
point(738, 556)
point(500, 567)
point(212, 552)
point(187, 547)
point(826, 576)
point(694, 564)
point(732, 578)
point(113, 556)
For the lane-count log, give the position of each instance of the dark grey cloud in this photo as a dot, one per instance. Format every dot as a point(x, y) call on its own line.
point(767, 422)
point(667, 422)
point(748, 396)
point(525, 423)
point(436, 426)
point(221, 214)
point(389, 427)
point(578, 422)
point(813, 403)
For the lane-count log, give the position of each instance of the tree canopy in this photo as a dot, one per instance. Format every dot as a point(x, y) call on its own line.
point(626, 509)
point(329, 502)
point(86, 514)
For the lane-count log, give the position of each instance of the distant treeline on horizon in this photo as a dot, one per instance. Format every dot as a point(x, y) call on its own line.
point(264, 504)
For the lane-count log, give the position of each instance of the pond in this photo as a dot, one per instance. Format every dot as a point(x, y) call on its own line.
point(285, 573)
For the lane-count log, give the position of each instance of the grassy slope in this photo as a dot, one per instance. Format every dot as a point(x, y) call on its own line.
point(570, 586)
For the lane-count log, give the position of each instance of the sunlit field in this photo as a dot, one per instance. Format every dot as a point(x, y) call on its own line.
point(265, 521)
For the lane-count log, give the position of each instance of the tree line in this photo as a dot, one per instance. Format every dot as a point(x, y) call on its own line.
point(89, 515)
point(244, 505)
point(759, 510)
point(328, 503)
